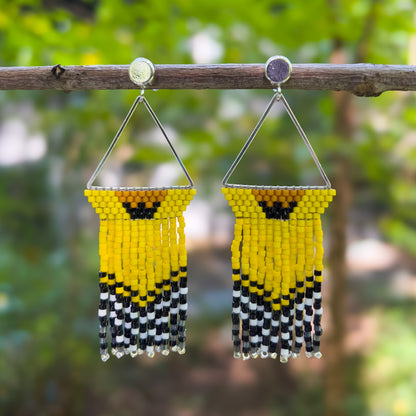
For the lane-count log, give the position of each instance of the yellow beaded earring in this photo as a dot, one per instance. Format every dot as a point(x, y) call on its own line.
point(277, 254)
point(143, 259)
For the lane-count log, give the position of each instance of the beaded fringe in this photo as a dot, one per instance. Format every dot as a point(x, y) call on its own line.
point(143, 270)
point(277, 265)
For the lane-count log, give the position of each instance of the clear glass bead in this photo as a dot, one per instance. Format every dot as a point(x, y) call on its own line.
point(105, 356)
point(284, 359)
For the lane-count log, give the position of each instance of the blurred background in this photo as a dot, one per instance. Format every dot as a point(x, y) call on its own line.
point(51, 142)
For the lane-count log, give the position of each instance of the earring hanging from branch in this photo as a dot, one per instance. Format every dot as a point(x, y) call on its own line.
point(277, 254)
point(143, 258)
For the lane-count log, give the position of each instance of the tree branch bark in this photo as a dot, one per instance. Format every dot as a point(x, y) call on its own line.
point(366, 80)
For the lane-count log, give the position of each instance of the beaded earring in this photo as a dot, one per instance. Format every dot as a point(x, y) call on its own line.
point(277, 254)
point(143, 258)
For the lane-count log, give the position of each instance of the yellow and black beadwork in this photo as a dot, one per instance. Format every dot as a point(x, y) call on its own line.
point(277, 253)
point(143, 260)
point(143, 269)
point(277, 263)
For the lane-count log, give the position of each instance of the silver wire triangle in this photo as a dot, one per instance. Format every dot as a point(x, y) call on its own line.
point(140, 99)
point(278, 96)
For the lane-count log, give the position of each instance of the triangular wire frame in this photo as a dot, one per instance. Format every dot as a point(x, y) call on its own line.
point(137, 101)
point(278, 96)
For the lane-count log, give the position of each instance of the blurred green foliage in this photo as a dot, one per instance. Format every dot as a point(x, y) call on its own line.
point(48, 253)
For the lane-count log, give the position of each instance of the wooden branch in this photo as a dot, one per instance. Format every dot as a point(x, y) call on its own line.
point(367, 80)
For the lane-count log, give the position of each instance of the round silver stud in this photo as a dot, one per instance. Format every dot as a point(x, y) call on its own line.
point(141, 71)
point(278, 69)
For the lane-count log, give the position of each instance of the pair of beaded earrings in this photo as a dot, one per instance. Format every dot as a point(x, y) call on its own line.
point(277, 254)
